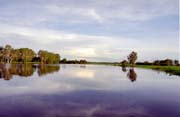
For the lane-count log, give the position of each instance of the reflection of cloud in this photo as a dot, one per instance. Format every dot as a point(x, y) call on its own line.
point(48, 86)
point(84, 74)
point(36, 86)
point(73, 78)
point(91, 111)
point(84, 52)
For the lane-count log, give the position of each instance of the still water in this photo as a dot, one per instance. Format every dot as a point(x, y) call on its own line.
point(87, 91)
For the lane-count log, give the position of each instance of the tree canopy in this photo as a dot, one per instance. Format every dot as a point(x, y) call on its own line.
point(9, 54)
point(132, 58)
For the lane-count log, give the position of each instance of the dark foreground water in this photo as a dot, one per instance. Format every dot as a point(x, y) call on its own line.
point(87, 91)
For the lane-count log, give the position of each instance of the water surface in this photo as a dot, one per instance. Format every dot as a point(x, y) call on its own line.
point(87, 91)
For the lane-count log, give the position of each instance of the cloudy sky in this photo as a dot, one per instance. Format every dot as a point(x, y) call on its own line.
point(96, 30)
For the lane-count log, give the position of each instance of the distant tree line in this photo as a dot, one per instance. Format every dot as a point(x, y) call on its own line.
point(132, 57)
point(166, 62)
point(9, 55)
point(65, 61)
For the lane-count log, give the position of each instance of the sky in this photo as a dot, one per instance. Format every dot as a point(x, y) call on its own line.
point(95, 30)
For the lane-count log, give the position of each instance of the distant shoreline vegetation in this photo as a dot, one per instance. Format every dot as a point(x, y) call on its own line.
point(26, 55)
point(65, 61)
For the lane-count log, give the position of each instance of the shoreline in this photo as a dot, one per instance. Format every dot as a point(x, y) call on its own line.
point(172, 70)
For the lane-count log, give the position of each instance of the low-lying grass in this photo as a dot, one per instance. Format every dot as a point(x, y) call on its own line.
point(175, 70)
point(169, 69)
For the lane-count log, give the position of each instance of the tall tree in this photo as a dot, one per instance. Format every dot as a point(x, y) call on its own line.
point(7, 53)
point(124, 63)
point(26, 54)
point(132, 58)
point(48, 57)
point(1, 54)
point(176, 62)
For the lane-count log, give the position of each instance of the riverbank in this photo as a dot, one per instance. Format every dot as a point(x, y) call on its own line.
point(172, 70)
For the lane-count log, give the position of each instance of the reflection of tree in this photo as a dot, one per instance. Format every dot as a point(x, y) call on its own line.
point(46, 69)
point(4, 72)
point(25, 70)
point(22, 69)
point(124, 69)
point(132, 75)
point(82, 66)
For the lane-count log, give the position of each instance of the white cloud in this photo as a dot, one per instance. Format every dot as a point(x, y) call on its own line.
point(80, 45)
point(91, 13)
point(79, 11)
point(41, 24)
point(83, 52)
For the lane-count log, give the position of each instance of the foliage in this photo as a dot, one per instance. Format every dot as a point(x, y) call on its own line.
point(124, 63)
point(176, 62)
point(48, 57)
point(169, 69)
point(73, 61)
point(132, 58)
point(166, 62)
point(64, 60)
point(24, 55)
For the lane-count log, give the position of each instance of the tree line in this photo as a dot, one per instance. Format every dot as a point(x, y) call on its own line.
point(166, 62)
point(10, 55)
point(132, 57)
point(65, 61)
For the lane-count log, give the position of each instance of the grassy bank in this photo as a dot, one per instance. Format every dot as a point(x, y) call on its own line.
point(105, 63)
point(175, 70)
point(169, 69)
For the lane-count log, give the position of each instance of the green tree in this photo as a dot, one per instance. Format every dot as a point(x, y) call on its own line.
point(26, 54)
point(124, 63)
point(1, 54)
point(64, 60)
point(48, 57)
point(7, 53)
point(176, 62)
point(132, 58)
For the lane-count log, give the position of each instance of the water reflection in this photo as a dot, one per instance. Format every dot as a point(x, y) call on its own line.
point(131, 73)
point(84, 74)
point(5, 72)
point(82, 66)
point(88, 91)
point(47, 69)
point(124, 69)
point(25, 70)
